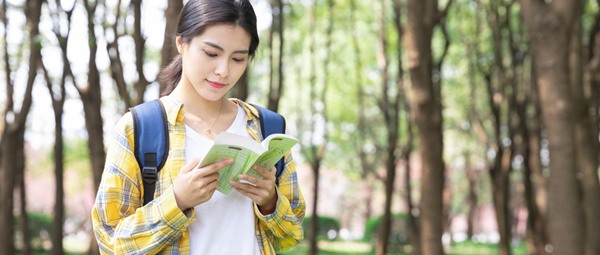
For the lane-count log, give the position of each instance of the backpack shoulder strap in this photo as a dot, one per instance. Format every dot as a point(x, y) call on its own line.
point(271, 123)
point(151, 142)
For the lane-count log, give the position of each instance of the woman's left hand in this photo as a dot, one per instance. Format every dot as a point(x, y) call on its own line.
point(263, 191)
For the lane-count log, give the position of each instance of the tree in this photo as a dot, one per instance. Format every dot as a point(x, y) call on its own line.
point(315, 151)
point(549, 26)
point(501, 83)
point(587, 127)
point(276, 84)
point(116, 64)
point(91, 97)
point(389, 105)
point(425, 101)
point(58, 95)
point(169, 51)
point(585, 134)
point(368, 161)
point(12, 156)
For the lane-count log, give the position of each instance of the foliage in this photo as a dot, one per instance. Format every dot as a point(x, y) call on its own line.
point(398, 234)
point(327, 226)
point(39, 228)
point(76, 155)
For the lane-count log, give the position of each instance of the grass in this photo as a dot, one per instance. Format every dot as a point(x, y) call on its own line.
point(360, 248)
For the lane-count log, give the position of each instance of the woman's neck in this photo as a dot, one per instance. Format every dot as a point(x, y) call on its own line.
point(196, 105)
point(207, 117)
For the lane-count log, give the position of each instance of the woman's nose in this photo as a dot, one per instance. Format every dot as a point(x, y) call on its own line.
point(222, 68)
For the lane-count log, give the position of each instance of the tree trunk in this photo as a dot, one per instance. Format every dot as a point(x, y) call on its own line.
point(169, 51)
point(26, 249)
point(316, 152)
point(586, 139)
point(534, 232)
point(313, 247)
point(92, 101)
point(314, 220)
point(140, 47)
point(500, 173)
point(428, 117)
point(592, 98)
point(59, 210)
point(471, 172)
point(472, 199)
point(11, 143)
point(367, 167)
point(8, 143)
point(276, 84)
point(413, 218)
point(390, 114)
point(114, 54)
point(549, 26)
point(58, 102)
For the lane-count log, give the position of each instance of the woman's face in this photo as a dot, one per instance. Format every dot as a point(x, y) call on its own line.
point(215, 60)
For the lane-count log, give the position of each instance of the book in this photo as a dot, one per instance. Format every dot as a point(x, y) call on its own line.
point(246, 153)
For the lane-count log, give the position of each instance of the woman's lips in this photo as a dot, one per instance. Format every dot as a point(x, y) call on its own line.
point(216, 85)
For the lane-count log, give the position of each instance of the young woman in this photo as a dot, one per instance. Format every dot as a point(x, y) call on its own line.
point(215, 39)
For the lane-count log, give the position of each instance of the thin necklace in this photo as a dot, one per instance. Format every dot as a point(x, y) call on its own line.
point(208, 130)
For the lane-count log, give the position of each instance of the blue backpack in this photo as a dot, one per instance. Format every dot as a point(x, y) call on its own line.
point(151, 142)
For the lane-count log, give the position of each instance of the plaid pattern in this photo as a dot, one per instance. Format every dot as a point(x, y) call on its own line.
point(123, 226)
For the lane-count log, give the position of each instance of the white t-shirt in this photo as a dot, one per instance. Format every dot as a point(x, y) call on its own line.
point(225, 223)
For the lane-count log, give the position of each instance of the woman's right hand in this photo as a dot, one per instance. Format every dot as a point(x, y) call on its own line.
point(195, 186)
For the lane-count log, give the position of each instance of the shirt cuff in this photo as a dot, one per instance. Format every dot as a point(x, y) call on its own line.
point(277, 213)
point(170, 212)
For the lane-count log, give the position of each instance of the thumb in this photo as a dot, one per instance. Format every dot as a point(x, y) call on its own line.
point(189, 166)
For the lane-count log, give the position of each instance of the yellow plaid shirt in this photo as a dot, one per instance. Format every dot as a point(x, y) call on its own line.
point(123, 226)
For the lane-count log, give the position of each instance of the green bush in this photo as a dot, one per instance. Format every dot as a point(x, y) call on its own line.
point(39, 227)
point(398, 238)
point(325, 225)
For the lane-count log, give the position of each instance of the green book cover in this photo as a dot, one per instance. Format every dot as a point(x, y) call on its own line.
point(246, 152)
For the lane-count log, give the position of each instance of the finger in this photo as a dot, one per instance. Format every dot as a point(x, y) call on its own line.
point(266, 173)
point(212, 185)
point(253, 197)
point(246, 187)
point(259, 198)
point(250, 189)
point(214, 168)
point(249, 178)
point(189, 166)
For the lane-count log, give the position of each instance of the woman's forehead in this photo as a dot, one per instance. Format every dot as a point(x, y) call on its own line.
point(228, 37)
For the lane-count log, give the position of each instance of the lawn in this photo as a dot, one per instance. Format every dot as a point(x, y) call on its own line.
point(360, 248)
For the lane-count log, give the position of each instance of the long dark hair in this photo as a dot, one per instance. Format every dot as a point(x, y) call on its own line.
point(196, 16)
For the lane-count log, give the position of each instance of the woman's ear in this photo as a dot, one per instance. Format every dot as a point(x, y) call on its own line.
point(179, 44)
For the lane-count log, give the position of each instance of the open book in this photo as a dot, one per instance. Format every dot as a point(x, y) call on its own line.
point(246, 153)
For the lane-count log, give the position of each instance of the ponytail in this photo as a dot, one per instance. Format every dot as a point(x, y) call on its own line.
point(171, 75)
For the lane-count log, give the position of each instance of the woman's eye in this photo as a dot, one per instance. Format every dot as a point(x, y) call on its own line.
point(239, 59)
point(210, 54)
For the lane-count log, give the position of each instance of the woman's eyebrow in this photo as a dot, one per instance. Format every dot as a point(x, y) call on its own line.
point(221, 48)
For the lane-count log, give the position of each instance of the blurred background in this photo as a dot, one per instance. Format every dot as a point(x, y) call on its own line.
point(426, 127)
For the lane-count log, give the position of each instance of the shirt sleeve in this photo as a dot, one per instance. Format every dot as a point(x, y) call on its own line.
point(121, 224)
point(285, 223)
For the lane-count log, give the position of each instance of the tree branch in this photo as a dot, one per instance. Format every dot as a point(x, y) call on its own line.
point(443, 13)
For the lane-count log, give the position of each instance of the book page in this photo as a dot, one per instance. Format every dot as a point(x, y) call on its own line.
point(242, 151)
point(278, 145)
